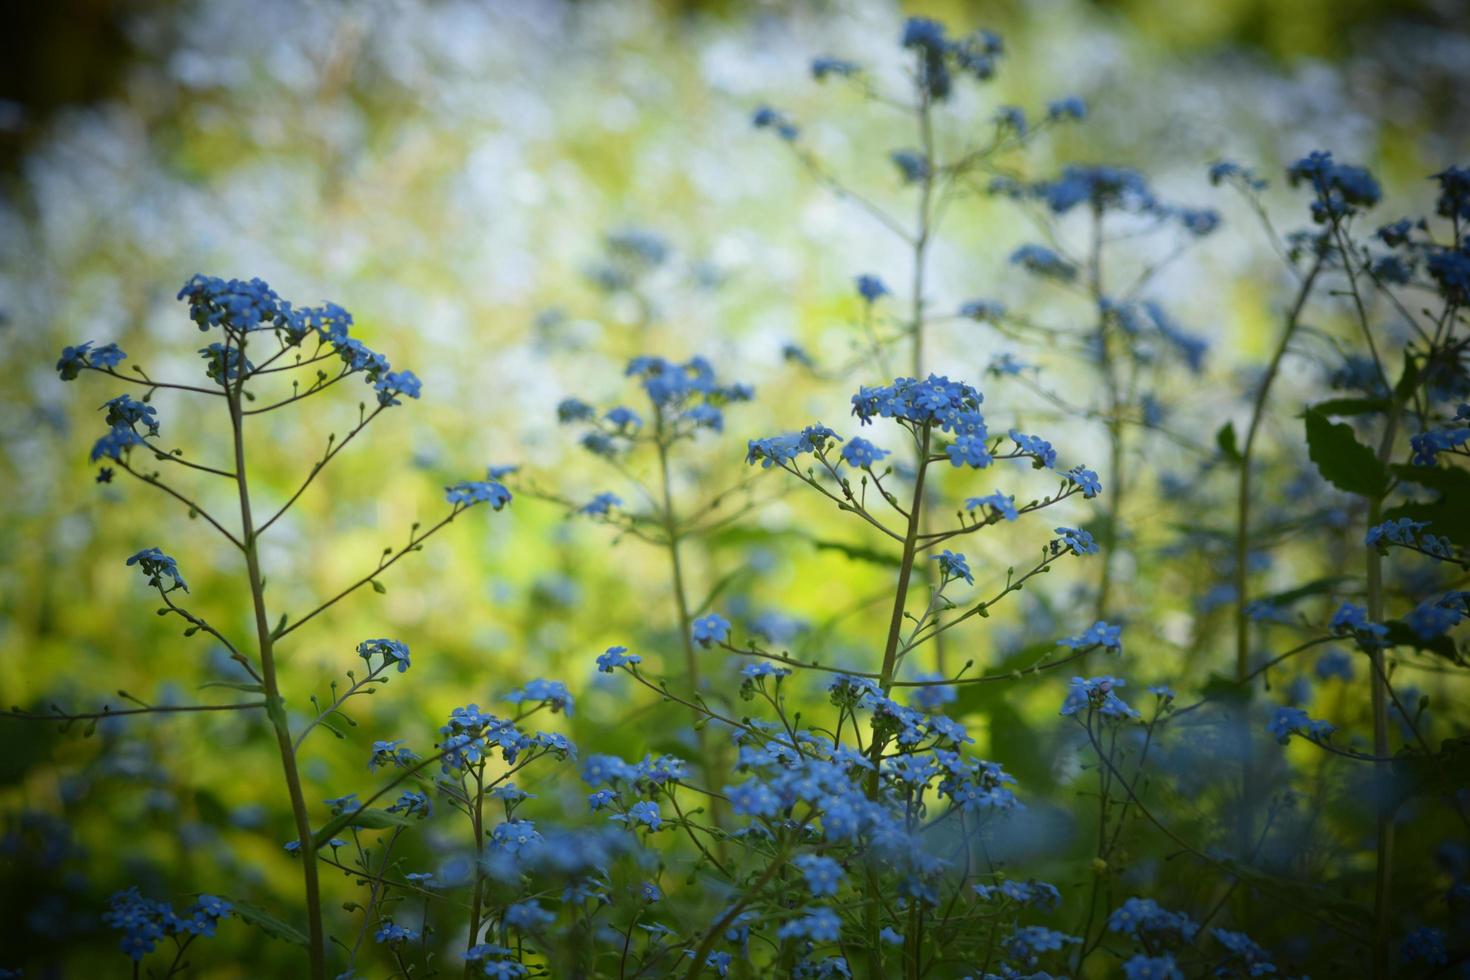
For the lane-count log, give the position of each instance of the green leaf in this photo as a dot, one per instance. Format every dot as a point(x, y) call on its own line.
point(1321, 586)
point(379, 587)
point(1441, 774)
point(1447, 480)
point(857, 553)
point(1225, 439)
point(1448, 515)
point(1342, 460)
point(372, 819)
point(1221, 688)
point(248, 688)
point(1351, 406)
point(1400, 635)
point(267, 923)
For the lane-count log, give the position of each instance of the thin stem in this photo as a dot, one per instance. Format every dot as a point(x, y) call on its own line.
point(413, 544)
point(275, 704)
point(1245, 830)
point(320, 465)
point(193, 507)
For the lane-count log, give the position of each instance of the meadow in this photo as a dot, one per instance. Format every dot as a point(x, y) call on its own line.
point(648, 490)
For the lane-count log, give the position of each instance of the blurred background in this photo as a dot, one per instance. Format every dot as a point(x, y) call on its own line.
point(459, 175)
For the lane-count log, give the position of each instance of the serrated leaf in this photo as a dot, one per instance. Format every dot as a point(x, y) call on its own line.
point(1447, 516)
point(1447, 480)
point(1225, 439)
point(267, 923)
point(1342, 460)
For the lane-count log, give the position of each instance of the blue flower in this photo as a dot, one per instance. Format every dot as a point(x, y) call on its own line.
point(624, 418)
point(616, 657)
point(1086, 479)
point(1428, 445)
point(391, 384)
point(1354, 619)
point(1288, 721)
point(983, 309)
point(912, 166)
point(870, 288)
point(710, 629)
point(74, 359)
point(820, 925)
point(601, 504)
point(861, 452)
point(158, 566)
point(1070, 107)
point(1143, 967)
point(574, 410)
point(1426, 945)
point(1341, 189)
point(763, 668)
point(1096, 693)
point(767, 118)
point(391, 652)
point(1042, 261)
point(753, 798)
point(126, 411)
point(1434, 618)
point(554, 694)
point(1076, 541)
point(115, 444)
point(643, 812)
point(1003, 504)
point(1098, 634)
point(822, 67)
point(601, 798)
point(412, 802)
point(527, 916)
point(471, 492)
point(1144, 915)
point(932, 696)
point(1027, 943)
point(1043, 456)
point(953, 565)
point(823, 874)
point(1011, 117)
point(391, 753)
point(970, 450)
point(1243, 947)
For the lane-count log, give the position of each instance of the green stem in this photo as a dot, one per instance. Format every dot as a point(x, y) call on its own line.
point(1109, 541)
point(275, 705)
point(1383, 844)
point(1245, 828)
point(708, 763)
point(477, 820)
point(885, 682)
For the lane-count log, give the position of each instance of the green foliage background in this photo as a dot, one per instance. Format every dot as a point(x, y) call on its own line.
point(446, 172)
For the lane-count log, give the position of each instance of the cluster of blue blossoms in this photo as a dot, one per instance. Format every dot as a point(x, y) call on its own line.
point(144, 922)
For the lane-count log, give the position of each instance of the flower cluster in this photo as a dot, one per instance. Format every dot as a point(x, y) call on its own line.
point(143, 922)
